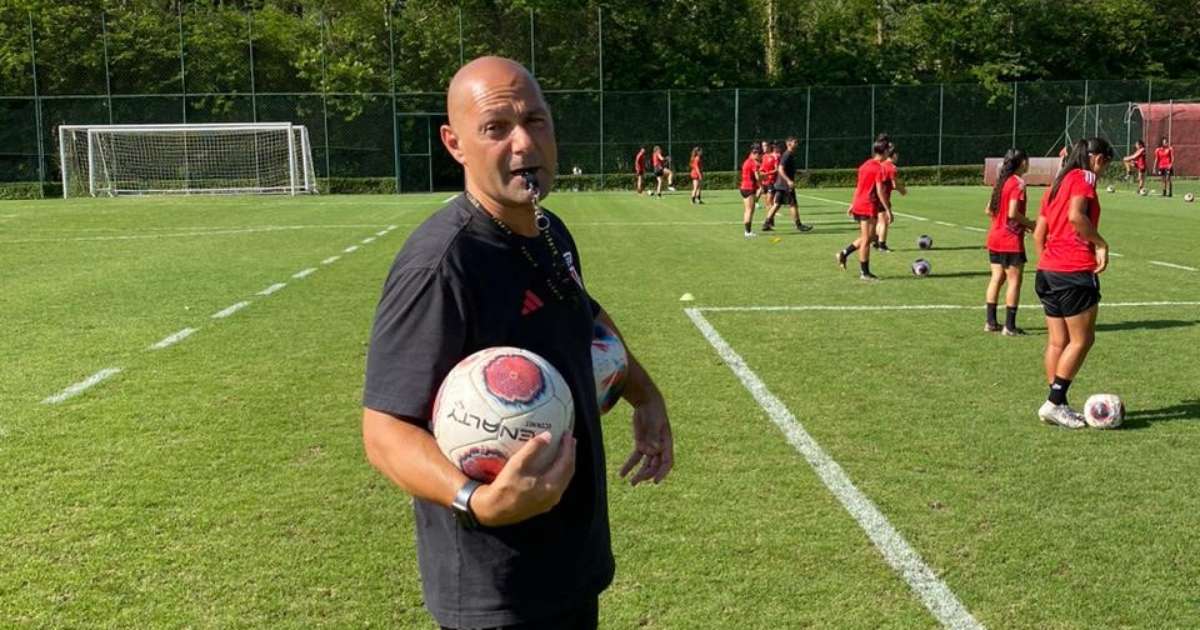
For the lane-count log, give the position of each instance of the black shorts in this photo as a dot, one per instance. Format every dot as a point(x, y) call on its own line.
point(1067, 294)
point(658, 172)
point(1166, 172)
point(860, 217)
point(784, 197)
point(746, 193)
point(584, 616)
point(1007, 259)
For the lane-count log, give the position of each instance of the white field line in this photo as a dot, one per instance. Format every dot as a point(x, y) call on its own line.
point(129, 237)
point(368, 240)
point(1172, 265)
point(905, 307)
point(304, 273)
point(909, 216)
point(230, 310)
point(273, 288)
point(1115, 254)
point(80, 387)
point(381, 233)
point(173, 339)
point(330, 260)
point(905, 560)
point(973, 228)
point(350, 250)
point(946, 223)
point(391, 227)
point(449, 199)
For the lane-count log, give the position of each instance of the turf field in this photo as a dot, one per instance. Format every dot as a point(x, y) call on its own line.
point(217, 479)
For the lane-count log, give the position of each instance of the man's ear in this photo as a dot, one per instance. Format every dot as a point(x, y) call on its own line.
point(450, 141)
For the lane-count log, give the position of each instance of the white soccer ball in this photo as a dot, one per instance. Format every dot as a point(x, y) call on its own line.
point(494, 401)
point(921, 268)
point(925, 242)
point(610, 366)
point(1111, 189)
point(1104, 411)
point(1189, 197)
point(1143, 192)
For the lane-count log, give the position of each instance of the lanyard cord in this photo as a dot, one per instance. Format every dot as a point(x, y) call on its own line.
point(543, 225)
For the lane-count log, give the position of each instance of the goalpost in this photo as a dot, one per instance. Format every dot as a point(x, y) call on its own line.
point(175, 159)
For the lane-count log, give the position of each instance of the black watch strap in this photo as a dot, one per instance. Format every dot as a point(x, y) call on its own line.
point(462, 504)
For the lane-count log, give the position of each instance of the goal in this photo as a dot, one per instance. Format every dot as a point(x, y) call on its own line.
point(249, 158)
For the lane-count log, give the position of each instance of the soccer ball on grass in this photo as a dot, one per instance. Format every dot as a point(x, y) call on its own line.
point(925, 242)
point(1189, 197)
point(1104, 411)
point(1111, 189)
point(921, 268)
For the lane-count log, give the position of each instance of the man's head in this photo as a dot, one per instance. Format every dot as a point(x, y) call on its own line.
point(500, 128)
point(791, 143)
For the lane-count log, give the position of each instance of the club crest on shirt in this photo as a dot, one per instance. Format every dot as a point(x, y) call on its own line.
point(570, 260)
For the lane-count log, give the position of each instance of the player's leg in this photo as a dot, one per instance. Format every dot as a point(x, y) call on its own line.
point(637, 178)
point(795, 212)
point(747, 212)
point(881, 233)
point(658, 179)
point(670, 179)
point(1012, 299)
point(1170, 180)
point(992, 296)
point(866, 229)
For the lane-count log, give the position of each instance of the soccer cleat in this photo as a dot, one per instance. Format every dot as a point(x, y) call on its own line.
point(767, 227)
point(992, 328)
point(883, 247)
point(1013, 332)
point(841, 259)
point(868, 277)
point(803, 228)
point(1061, 415)
point(749, 235)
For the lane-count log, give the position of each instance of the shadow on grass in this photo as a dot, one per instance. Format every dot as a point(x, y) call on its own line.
point(1143, 418)
point(1147, 324)
point(964, 248)
point(957, 274)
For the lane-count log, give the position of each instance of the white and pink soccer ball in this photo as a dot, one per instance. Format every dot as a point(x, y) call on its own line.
point(610, 366)
point(494, 401)
point(1104, 411)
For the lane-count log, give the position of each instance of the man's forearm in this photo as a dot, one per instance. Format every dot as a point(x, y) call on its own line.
point(410, 457)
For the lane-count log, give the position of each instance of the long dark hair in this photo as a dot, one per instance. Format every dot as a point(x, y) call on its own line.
point(1078, 158)
point(1013, 160)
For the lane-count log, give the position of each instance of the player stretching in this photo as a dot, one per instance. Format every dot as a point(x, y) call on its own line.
point(639, 168)
point(891, 181)
point(1164, 160)
point(1006, 241)
point(661, 169)
point(1073, 255)
point(748, 186)
point(867, 205)
point(697, 174)
point(1137, 162)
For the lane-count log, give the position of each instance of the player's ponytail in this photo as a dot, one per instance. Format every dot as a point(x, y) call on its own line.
point(1079, 156)
point(1013, 160)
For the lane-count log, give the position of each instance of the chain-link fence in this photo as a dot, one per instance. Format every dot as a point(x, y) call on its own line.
point(373, 109)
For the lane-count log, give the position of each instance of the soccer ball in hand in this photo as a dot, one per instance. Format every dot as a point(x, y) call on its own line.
point(1111, 189)
point(921, 268)
point(1189, 197)
point(925, 242)
point(494, 401)
point(1104, 411)
point(610, 365)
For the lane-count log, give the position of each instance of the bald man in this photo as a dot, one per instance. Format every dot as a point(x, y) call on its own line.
point(531, 549)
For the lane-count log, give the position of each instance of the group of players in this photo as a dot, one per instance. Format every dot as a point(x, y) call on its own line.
point(1164, 163)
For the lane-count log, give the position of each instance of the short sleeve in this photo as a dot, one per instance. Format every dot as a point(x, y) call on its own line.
point(419, 333)
point(1084, 185)
point(595, 306)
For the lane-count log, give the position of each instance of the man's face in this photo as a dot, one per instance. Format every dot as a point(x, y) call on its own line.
point(505, 130)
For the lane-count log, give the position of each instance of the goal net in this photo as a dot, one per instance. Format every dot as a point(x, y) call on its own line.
point(250, 158)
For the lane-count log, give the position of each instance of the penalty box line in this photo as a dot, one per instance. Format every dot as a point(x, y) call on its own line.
point(933, 592)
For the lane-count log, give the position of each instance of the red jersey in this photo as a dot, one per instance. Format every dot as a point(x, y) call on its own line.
point(695, 167)
point(1164, 157)
point(1007, 236)
point(657, 159)
point(769, 169)
point(748, 169)
point(1139, 160)
point(866, 200)
point(1065, 251)
point(889, 179)
point(639, 162)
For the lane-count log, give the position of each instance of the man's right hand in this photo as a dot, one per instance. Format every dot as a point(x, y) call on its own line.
point(521, 491)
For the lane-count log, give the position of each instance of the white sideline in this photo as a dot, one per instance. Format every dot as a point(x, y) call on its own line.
point(330, 260)
point(449, 199)
point(303, 273)
point(193, 232)
point(230, 310)
point(1172, 265)
point(381, 233)
point(905, 560)
point(273, 288)
point(173, 339)
point(973, 228)
point(350, 250)
point(946, 224)
point(78, 388)
point(368, 240)
point(904, 307)
point(909, 216)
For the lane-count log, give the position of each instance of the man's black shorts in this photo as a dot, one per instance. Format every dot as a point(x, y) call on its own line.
point(1165, 172)
point(1007, 259)
point(1067, 294)
point(785, 197)
point(658, 171)
point(746, 193)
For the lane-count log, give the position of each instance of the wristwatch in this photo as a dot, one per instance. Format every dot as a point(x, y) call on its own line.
point(462, 505)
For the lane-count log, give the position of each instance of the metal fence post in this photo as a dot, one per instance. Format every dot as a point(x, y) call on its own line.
point(872, 139)
point(324, 101)
point(253, 88)
point(807, 121)
point(182, 64)
point(600, 47)
point(392, 88)
point(107, 70)
point(1083, 126)
point(737, 101)
point(532, 48)
point(461, 53)
point(1014, 132)
point(37, 112)
point(941, 121)
point(670, 141)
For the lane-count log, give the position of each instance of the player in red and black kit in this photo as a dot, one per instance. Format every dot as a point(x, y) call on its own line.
point(1006, 241)
point(868, 204)
point(1073, 254)
point(697, 172)
point(1164, 161)
point(661, 169)
point(1137, 161)
point(766, 180)
point(891, 181)
point(639, 168)
point(748, 186)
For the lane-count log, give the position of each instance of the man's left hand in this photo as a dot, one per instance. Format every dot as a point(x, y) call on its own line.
point(653, 446)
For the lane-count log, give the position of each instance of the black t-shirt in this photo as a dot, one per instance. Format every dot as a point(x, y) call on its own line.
point(788, 163)
point(459, 285)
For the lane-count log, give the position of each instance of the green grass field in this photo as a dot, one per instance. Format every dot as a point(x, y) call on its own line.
point(220, 481)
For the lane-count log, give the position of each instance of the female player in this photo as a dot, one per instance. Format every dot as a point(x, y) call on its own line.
point(697, 174)
point(867, 205)
point(1006, 241)
point(1137, 162)
point(891, 181)
point(1164, 161)
point(1073, 255)
point(661, 168)
point(639, 169)
point(766, 177)
point(749, 187)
